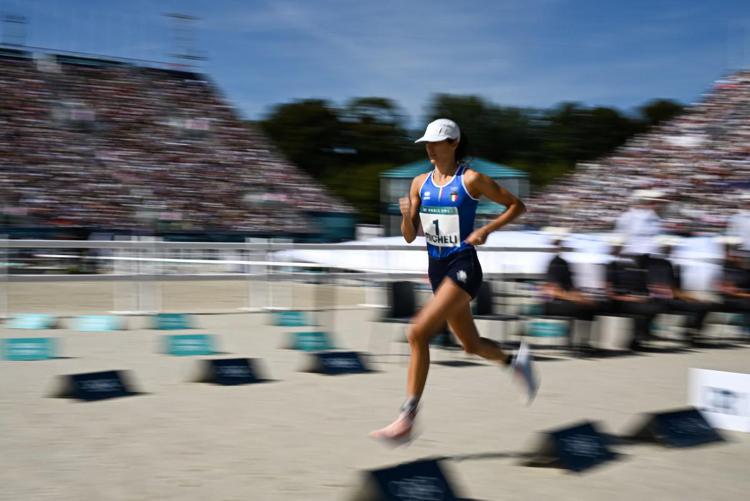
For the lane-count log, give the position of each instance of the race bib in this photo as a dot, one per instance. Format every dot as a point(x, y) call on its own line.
point(441, 226)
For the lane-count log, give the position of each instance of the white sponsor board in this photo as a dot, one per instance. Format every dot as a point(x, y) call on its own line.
point(722, 397)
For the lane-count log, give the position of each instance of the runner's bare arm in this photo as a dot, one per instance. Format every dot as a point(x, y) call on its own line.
point(410, 210)
point(481, 185)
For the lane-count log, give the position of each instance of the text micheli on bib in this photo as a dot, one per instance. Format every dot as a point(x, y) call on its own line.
point(441, 226)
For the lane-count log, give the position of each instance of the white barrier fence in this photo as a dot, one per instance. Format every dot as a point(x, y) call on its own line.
point(137, 268)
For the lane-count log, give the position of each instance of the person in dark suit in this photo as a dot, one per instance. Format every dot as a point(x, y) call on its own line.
point(628, 294)
point(734, 285)
point(665, 288)
point(563, 299)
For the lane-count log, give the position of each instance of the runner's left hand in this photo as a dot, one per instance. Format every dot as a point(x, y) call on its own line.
point(477, 237)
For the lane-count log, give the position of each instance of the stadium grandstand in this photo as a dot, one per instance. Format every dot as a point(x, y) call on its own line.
point(90, 144)
point(700, 161)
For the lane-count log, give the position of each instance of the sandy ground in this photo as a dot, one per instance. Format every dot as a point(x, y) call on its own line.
point(304, 436)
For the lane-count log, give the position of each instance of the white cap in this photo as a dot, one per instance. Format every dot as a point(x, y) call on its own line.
point(729, 240)
point(556, 232)
point(648, 194)
point(616, 240)
point(667, 241)
point(440, 130)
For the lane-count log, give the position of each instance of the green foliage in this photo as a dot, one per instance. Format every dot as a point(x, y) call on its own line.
point(347, 147)
point(659, 110)
point(360, 186)
point(308, 132)
point(374, 130)
point(542, 174)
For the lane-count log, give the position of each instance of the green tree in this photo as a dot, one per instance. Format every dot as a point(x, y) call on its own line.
point(308, 132)
point(473, 114)
point(374, 130)
point(501, 134)
point(573, 133)
point(659, 110)
point(347, 147)
point(360, 186)
point(344, 148)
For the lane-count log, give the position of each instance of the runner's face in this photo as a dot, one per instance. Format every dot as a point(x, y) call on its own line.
point(442, 151)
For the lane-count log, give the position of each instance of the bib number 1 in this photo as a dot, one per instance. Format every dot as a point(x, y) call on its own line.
point(441, 226)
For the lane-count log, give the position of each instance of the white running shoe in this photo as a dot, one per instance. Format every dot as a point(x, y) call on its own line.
point(523, 370)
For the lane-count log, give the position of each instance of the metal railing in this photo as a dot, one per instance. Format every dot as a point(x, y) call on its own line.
point(138, 267)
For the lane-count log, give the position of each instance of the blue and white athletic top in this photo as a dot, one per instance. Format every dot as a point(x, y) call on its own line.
point(447, 214)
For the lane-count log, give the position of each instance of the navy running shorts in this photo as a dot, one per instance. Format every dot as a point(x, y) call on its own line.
point(463, 268)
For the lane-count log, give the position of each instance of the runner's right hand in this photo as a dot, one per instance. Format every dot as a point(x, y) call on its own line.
point(404, 204)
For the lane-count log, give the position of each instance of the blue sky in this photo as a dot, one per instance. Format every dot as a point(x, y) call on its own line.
point(513, 52)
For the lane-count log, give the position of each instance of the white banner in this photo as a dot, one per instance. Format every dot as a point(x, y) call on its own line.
point(722, 397)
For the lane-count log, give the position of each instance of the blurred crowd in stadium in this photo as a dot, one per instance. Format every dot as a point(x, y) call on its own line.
point(86, 142)
point(699, 162)
point(104, 144)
